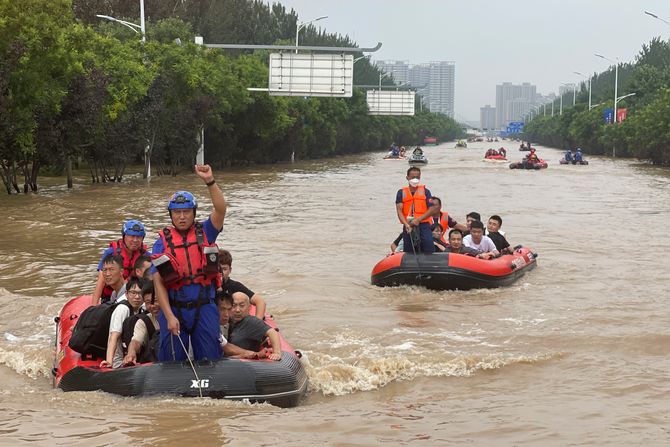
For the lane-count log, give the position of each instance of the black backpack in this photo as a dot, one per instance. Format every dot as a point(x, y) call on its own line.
point(90, 334)
point(149, 353)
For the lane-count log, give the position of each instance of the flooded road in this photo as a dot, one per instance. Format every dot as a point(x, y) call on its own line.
point(576, 353)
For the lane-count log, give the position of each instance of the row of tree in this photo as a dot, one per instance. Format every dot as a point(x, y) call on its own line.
point(644, 134)
point(75, 89)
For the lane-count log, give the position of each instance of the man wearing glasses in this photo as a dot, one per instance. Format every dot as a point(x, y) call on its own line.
point(127, 305)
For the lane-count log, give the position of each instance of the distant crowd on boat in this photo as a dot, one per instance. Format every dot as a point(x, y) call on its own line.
point(428, 228)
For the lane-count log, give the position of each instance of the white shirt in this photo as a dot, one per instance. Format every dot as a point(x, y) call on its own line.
point(116, 325)
point(117, 296)
point(485, 246)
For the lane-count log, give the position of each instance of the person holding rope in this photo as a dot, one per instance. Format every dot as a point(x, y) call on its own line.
point(415, 211)
point(185, 259)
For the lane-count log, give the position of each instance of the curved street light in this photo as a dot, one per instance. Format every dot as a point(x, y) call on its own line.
point(616, 77)
point(589, 77)
point(301, 25)
point(657, 17)
point(132, 26)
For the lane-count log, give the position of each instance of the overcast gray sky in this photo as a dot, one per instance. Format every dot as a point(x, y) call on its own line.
point(538, 41)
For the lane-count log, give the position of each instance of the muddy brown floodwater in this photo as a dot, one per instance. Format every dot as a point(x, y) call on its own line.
point(576, 353)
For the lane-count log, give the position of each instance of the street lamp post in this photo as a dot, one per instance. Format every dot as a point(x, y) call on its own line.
point(142, 29)
point(580, 74)
point(616, 78)
point(301, 25)
point(144, 38)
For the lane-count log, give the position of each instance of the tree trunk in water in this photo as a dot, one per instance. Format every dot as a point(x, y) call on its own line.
point(68, 170)
point(5, 174)
point(15, 184)
point(33, 175)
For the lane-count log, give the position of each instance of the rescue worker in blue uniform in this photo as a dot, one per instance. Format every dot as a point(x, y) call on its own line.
point(568, 156)
point(186, 261)
point(130, 247)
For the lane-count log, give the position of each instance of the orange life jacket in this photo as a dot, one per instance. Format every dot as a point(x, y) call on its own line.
point(443, 220)
point(415, 204)
point(192, 258)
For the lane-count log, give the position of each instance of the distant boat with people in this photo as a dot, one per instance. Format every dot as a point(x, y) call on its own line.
point(451, 271)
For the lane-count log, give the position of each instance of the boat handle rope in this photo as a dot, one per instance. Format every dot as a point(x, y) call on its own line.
point(189, 361)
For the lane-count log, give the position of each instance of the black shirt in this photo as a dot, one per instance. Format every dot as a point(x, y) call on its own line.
point(499, 240)
point(248, 333)
point(231, 286)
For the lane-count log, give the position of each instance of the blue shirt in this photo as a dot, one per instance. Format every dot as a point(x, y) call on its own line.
point(188, 292)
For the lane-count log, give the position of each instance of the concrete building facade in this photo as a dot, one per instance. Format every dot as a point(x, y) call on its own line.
point(435, 82)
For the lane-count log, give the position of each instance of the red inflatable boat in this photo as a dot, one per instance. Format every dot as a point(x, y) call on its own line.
point(448, 271)
point(282, 383)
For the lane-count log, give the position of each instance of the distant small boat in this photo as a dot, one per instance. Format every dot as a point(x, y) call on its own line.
point(563, 161)
point(539, 164)
point(417, 159)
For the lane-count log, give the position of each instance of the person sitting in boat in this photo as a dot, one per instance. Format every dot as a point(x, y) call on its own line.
point(185, 260)
point(142, 267)
point(397, 244)
point(498, 237)
point(532, 157)
point(456, 244)
point(112, 276)
point(440, 245)
point(502, 151)
point(231, 286)
point(129, 247)
point(415, 211)
point(395, 151)
point(133, 296)
point(248, 332)
point(224, 302)
point(568, 156)
point(469, 218)
point(418, 152)
point(491, 152)
point(140, 333)
point(444, 219)
point(578, 156)
point(402, 151)
point(483, 244)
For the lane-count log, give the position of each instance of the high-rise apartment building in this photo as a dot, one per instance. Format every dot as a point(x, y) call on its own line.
point(513, 101)
point(434, 81)
point(487, 117)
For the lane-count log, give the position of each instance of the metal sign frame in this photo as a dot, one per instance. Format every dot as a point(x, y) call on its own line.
point(393, 102)
point(311, 74)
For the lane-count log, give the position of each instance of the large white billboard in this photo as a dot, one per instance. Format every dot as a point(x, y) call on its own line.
point(305, 74)
point(390, 102)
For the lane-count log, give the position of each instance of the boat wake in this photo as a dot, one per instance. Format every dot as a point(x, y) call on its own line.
point(352, 362)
